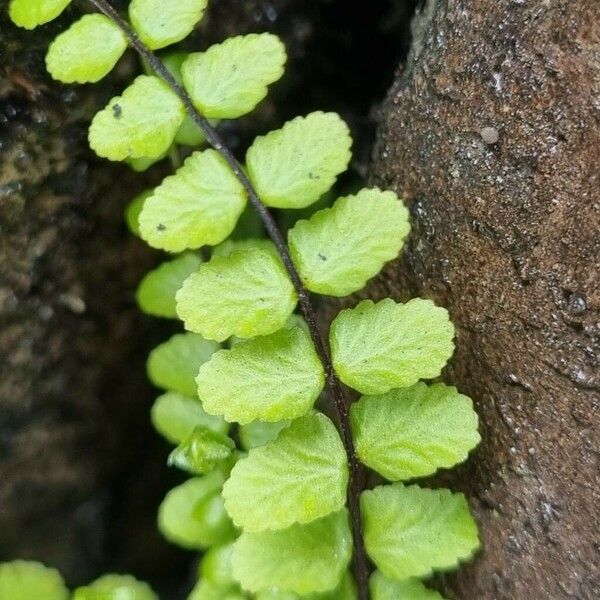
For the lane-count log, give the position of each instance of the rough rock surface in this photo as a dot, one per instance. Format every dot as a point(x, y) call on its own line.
point(492, 134)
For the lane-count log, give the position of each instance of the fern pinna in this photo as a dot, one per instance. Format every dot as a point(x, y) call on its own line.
point(275, 499)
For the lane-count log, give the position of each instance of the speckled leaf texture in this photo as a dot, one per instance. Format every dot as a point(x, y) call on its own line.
point(414, 431)
point(230, 79)
point(380, 346)
point(141, 123)
point(340, 248)
point(412, 531)
point(87, 51)
point(160, 23)
point(199, 205)
point(383, 588)
point(294, 166)
point(271, 378)
point(246, 294)
point(302, 558)
point(299, 477)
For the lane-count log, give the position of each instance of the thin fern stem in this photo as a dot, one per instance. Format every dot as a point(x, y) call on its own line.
point(361, 570)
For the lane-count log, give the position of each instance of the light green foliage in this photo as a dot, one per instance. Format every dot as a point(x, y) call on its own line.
point(140, 165)
point(301, 559)
point(201, 451)
point(198, 205)
point(175, 417)
point(31, 13)
point(247, 293)
point(410, 531)
point(192, 515)
point(383, 588)
point(299, 477)
point(230, 79)
point(414, 431)
point(342, 247)
point(344, 591)
point(258, 433)
point(189, 134)
point(380, 346)
point(229, 246)
point(160, 23)
point(87, 51)
point(133, 210)
point(216, 579)
point(271, 378)
point(293, 166)
point(115, 587)
point(26, 580)
point(141, 123)
point(173, 365)
point(156, 292)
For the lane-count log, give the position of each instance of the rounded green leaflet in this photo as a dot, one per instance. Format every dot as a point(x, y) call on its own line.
point(31, 13)
point(383, 588)
point(26, 580)
point(258, 433)
point(412, 531)
point(271, 378)
point(297, 478)
point(200, 204)
point(380, 346)
point(246, 294)
point(294, 166)
point(87, 51)
point(340, 248)
point(175, 417)
point(133, 210)
point(115, 587)
point(173, 365)
point(302, 558)
point(192, 515)
point(201, 451)
point(160, 23)
point(156, 293)
point(230, 79)
point(229, 246)
point(346, 590)
point(414, 431)
point(141, 123)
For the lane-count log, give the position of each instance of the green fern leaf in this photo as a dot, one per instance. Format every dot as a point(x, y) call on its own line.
point(174, 364)
point(141, 123)
point(200, 204)
point(160, 24)
point(383, 588)
point(339, 248)
point(115, 587)
point(31, 13)
point(294, 166)
point(299, 477)
point(87, 51)
point(133, 210)
point(380, 346)
point(271, 378)
point(258, 433)
point(411, 531)
point(229, 246)
point(414, 431)
point(346, 590)
point(175, 417)
point(201, 451)
point(303, 558)
point(156, 293)
point(230, 79)
point(246, 294)
point(192, 515)
point(26, 580)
